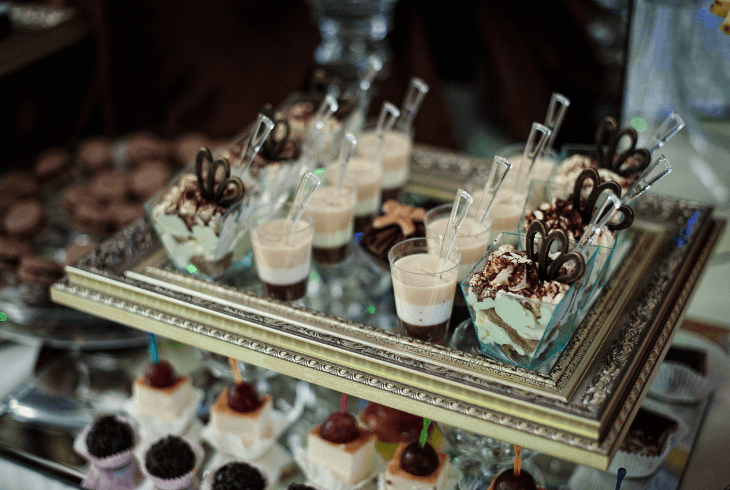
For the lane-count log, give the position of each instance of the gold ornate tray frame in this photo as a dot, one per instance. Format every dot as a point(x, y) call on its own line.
point(579, 411)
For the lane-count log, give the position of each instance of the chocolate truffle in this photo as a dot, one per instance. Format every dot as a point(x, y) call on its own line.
point(53, 166)
point(109, 436)
point(169, 458)
point(238, 476)
point(299, 486)
point(95, 154)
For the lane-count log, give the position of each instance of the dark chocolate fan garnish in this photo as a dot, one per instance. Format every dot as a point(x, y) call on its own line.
point(598, 188)
point(277, 148)
point(549, 269)
point(225, 192)
point(631, 160)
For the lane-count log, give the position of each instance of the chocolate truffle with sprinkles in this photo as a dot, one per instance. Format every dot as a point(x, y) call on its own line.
point(299, 486)
point(238, 476)
point(109, 436)
point(169, 458)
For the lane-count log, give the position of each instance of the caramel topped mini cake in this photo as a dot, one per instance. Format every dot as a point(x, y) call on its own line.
point(399, 222)
point(240, 411)
point(343, 448)
point(162, 392)
point(416, 467)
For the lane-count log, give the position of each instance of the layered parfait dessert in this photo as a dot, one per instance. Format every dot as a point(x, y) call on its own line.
point(334, 212)
point(396, 157)
point(423, 284)
point(282, 255)
point(368, 176)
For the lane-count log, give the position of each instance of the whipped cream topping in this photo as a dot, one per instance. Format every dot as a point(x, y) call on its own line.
point(511, 271)
point(569, 170)
point(559, 214)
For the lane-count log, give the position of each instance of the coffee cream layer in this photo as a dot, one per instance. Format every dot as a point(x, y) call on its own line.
point(396, 156)
point(334, 212)
point(473, 240)
point(282, 259)
point(422, 296)
point(541, 171)
point(506, 210)
point(368, 175)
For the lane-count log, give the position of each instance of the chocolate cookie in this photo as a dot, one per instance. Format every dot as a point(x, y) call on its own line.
point(188, 145)
point(19, 183)
point(95, 154)
point(150, 178)
point(10, 253)
point(24, 218)
point(39, 270)
point(53, 167)
point(110, 186)
point(146, 146)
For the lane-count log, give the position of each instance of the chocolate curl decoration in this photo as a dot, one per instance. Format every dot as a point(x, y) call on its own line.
point(206, 169)
point(273, 149)
point(599, 188)
point(550, 272)
point(518, 459)
point(424, 432)
point(609, 135)
point(234, 370)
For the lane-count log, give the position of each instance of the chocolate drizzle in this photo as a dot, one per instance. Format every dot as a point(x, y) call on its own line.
point(211, 187)
point(609, 135)
point(599, 188)
point(278, 147)
point(549, 270)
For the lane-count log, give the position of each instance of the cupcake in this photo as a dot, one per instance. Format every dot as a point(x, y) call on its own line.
point(684, 376)
point(108, 444)
point(171, 463)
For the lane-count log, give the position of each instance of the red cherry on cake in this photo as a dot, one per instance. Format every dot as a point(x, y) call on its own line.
point(340, 428)
point(242, 397)
point(419, 460)
point(160, 375)
point(507, 480)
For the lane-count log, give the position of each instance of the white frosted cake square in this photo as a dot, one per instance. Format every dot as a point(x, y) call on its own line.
point(168, 403)
point(350, 462)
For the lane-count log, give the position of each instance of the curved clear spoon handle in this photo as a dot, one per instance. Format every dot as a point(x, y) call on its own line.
point(348, 148)
point(598, 221)
point(301, 200)
point(417, 90)
point(261, 130)
point(539, 135)
point(500, 169)
point(374, 65)
point(556, 113)
point(645, 181)
point(672, 125)
point(462, 202)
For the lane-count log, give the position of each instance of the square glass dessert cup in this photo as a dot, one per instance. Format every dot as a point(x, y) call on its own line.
point(525, 332)
point(215, 246)
point(605, 245)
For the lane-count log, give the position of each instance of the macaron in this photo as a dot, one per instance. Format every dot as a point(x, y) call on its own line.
point(53, 167)
point(24, 218)
point(39, 270)
point(149, 178)
point(95, 154)
point(110, 186)
point(145, 146)
point(11, 252)
point(188, 145)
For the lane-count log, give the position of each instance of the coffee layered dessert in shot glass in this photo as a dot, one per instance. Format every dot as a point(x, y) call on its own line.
point(424, 284)
point(333, 208)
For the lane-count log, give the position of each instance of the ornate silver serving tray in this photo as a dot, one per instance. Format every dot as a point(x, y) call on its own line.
point(578, 411)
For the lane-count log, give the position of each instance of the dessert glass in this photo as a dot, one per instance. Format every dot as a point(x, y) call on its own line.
point(508, 204)
point(523, 331)
point(282, 259)
point(396, 155)
point(334, 213)
point(211, 246)
point(367, 173)
point(605, 245)
point(423, 296)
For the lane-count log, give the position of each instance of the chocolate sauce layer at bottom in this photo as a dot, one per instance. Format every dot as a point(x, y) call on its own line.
point(361, 222)
point(436, 334)
point(290, 292)
point(330, 255)
point(395, 193)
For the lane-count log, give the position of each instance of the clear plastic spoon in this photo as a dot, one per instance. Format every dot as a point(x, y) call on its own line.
point(300, 201)
point(261, 130)
point(374, 65)
point(417, 90)
point(539, 135)
point(554, 118)
point(672, 125)
point(644, 182)
point(500, 169)
point(348, 148)
point(458, 214)
point(389, 114)
point(324, 112)
point(598, 221)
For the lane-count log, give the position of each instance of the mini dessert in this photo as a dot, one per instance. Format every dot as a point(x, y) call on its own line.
point(149, 179)
point(368, 175)
point(624, 167)
point(515, 478)
point(240, 411)
point(282, 259)
point(24, 218)
point(108, 444)
point(197, 218)
point(110, 186)
point(238, 476)
point(416, 467)
point(400, 222)
point(53, 168)
point(299, 486)
point(396, 158)
point(343, 448)
point(11, 252)
point(648, 434)
point(696, 360)
point(170, 458)
point(146, 146)
point(161, 392)
point(95, 154)
point(391, 425)
point(334, 211)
